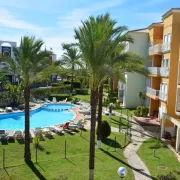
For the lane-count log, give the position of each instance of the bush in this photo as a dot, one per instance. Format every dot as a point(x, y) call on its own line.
point(169, 176)
point(105, 129)
point(81, 91)
point(55, 84)
point(45, 92)
point(76, 84)
point(141, 111)
point(60, 97)
point(67, 82)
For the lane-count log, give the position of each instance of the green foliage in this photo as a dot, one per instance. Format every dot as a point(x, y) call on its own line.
point(67, 82)
point(60, 97)
point(45, 92)
point(76, 84)
point(169, 176)
point(105, 129)
point(106, 88)
point(55, 84)
point(142, 97)
point(81, 91)
point(141, 111)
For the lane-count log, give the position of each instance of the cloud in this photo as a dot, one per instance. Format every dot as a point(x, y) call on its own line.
point(73, 18)
point(8, 20)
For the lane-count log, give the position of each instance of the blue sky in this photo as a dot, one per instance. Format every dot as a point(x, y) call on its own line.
point(54, 20)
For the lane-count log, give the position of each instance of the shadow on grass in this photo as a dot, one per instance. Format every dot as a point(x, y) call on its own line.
point(20, 141)
point(126, 164)
point(159, 144)
point(35, 170)
point(70, 162)
point(112, 143)
point(4, 141)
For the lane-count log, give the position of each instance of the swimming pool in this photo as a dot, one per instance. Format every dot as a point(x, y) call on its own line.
point(47, 115)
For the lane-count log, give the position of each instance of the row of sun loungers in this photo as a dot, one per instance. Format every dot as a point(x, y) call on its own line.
point(69, 127)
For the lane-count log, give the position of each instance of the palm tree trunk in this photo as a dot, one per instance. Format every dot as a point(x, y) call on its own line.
point(72, 79)
point(99, 116)
point(27, 153)
point(94, 96)
point(111, 90)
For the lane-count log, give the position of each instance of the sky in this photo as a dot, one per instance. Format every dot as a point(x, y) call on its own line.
point(54, 21)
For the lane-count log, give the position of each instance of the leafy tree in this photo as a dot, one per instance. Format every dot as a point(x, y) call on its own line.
point(29, 61)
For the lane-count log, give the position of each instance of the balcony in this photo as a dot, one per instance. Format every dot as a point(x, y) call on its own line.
point(164, 71)
point(163, 96)
point(166, 47)
point(154, 70)
point(121, 86)
point(158, 49)
point(152, 93)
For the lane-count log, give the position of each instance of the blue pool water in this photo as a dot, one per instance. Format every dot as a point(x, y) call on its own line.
point(48, 115)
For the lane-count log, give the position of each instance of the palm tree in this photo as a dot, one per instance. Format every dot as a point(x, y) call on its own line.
point(71, 58)
point(97, 40)
point(29, 61)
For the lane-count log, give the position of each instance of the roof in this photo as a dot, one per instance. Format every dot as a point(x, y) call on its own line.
point(145, 30)
point(155, 24)
point(168, 13)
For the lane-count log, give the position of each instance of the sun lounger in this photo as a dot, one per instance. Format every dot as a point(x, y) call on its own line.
point(85, 112)
point(87, 117)
point(11, 135)
point(67, 127)
point(46, 132)
point(18, 135)
point(79, 123)
point(8, 109)
point(38, 101)
point(47, 100)
point(54, 100)
point(107, 113)
point(56, 129)
point(65, 100)
point(31, 134)
point(2, 110)
point(38, 132)
point(3, 134)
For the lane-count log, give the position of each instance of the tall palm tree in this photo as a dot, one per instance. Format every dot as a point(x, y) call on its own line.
point(95, 43)
point(118, 66)
point(29, 61)
point(71, 58)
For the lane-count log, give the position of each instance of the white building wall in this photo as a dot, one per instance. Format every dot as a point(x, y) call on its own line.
point(136, 83)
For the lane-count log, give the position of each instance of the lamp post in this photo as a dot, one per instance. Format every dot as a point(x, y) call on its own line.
point(122, 172)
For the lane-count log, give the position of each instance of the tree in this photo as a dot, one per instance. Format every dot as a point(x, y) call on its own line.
point(71, 58)
point(95, 43)
point(29, 61)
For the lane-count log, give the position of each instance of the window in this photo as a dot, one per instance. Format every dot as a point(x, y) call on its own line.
point(165, 63)
point(167, 38)
point(163, 91)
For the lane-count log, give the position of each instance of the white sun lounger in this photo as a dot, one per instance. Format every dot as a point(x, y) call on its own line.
point(56, 129)
point(18, 135)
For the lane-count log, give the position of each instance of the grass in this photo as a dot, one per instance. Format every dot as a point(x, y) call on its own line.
point(53, 166)
point(85, 98)
point(114, 122)
point(125, 111)
point(164, 157)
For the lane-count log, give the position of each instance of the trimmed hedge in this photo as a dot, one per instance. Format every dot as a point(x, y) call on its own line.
point(81, 91)
point(45, 92)
point(60, 97)
point(76, 84)
point(55, 84)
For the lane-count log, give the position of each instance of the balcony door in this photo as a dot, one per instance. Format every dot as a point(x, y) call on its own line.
point(167, 38)
point(165, 63)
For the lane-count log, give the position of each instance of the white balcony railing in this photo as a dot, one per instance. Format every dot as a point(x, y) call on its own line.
point(163, 96)
point(158, 48)
point(164, 71)
point(154, 70)
point(166, 47)
point(121, 86)
point(151, 50)
point(153, 92)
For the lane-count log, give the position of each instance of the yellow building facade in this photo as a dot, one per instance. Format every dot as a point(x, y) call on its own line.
point(164, 91)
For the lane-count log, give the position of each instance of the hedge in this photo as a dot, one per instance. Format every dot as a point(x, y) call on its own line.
point(60, 97)
point(76, 84)
point(55, 84)
point(81, 91)
point(45, 92)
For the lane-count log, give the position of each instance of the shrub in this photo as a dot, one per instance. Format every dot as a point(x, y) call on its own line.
point(60, 97)
point(67, 82)
point(81, 91)
point(141, 111)
point(55, 84)
point(105, 129)
point(45, 92)
point(76, 84)
point(169, 176)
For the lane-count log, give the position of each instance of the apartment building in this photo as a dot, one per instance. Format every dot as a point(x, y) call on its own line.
point(128, 93)
point(164, 90)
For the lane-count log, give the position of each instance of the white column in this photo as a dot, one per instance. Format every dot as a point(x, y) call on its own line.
point(178, 139)
point(162, 127)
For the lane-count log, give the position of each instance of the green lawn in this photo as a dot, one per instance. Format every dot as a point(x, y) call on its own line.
point(53, 166)
point(114, 122)
point(125, 111)
point(85, 98)
point(164, 157)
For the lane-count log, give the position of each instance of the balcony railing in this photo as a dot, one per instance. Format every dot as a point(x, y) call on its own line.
point(163, 96)
point(121, 86)
point(166, 47)
point(154, 70)
point(158, 48)
point(153, 92)
point(164, 71)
